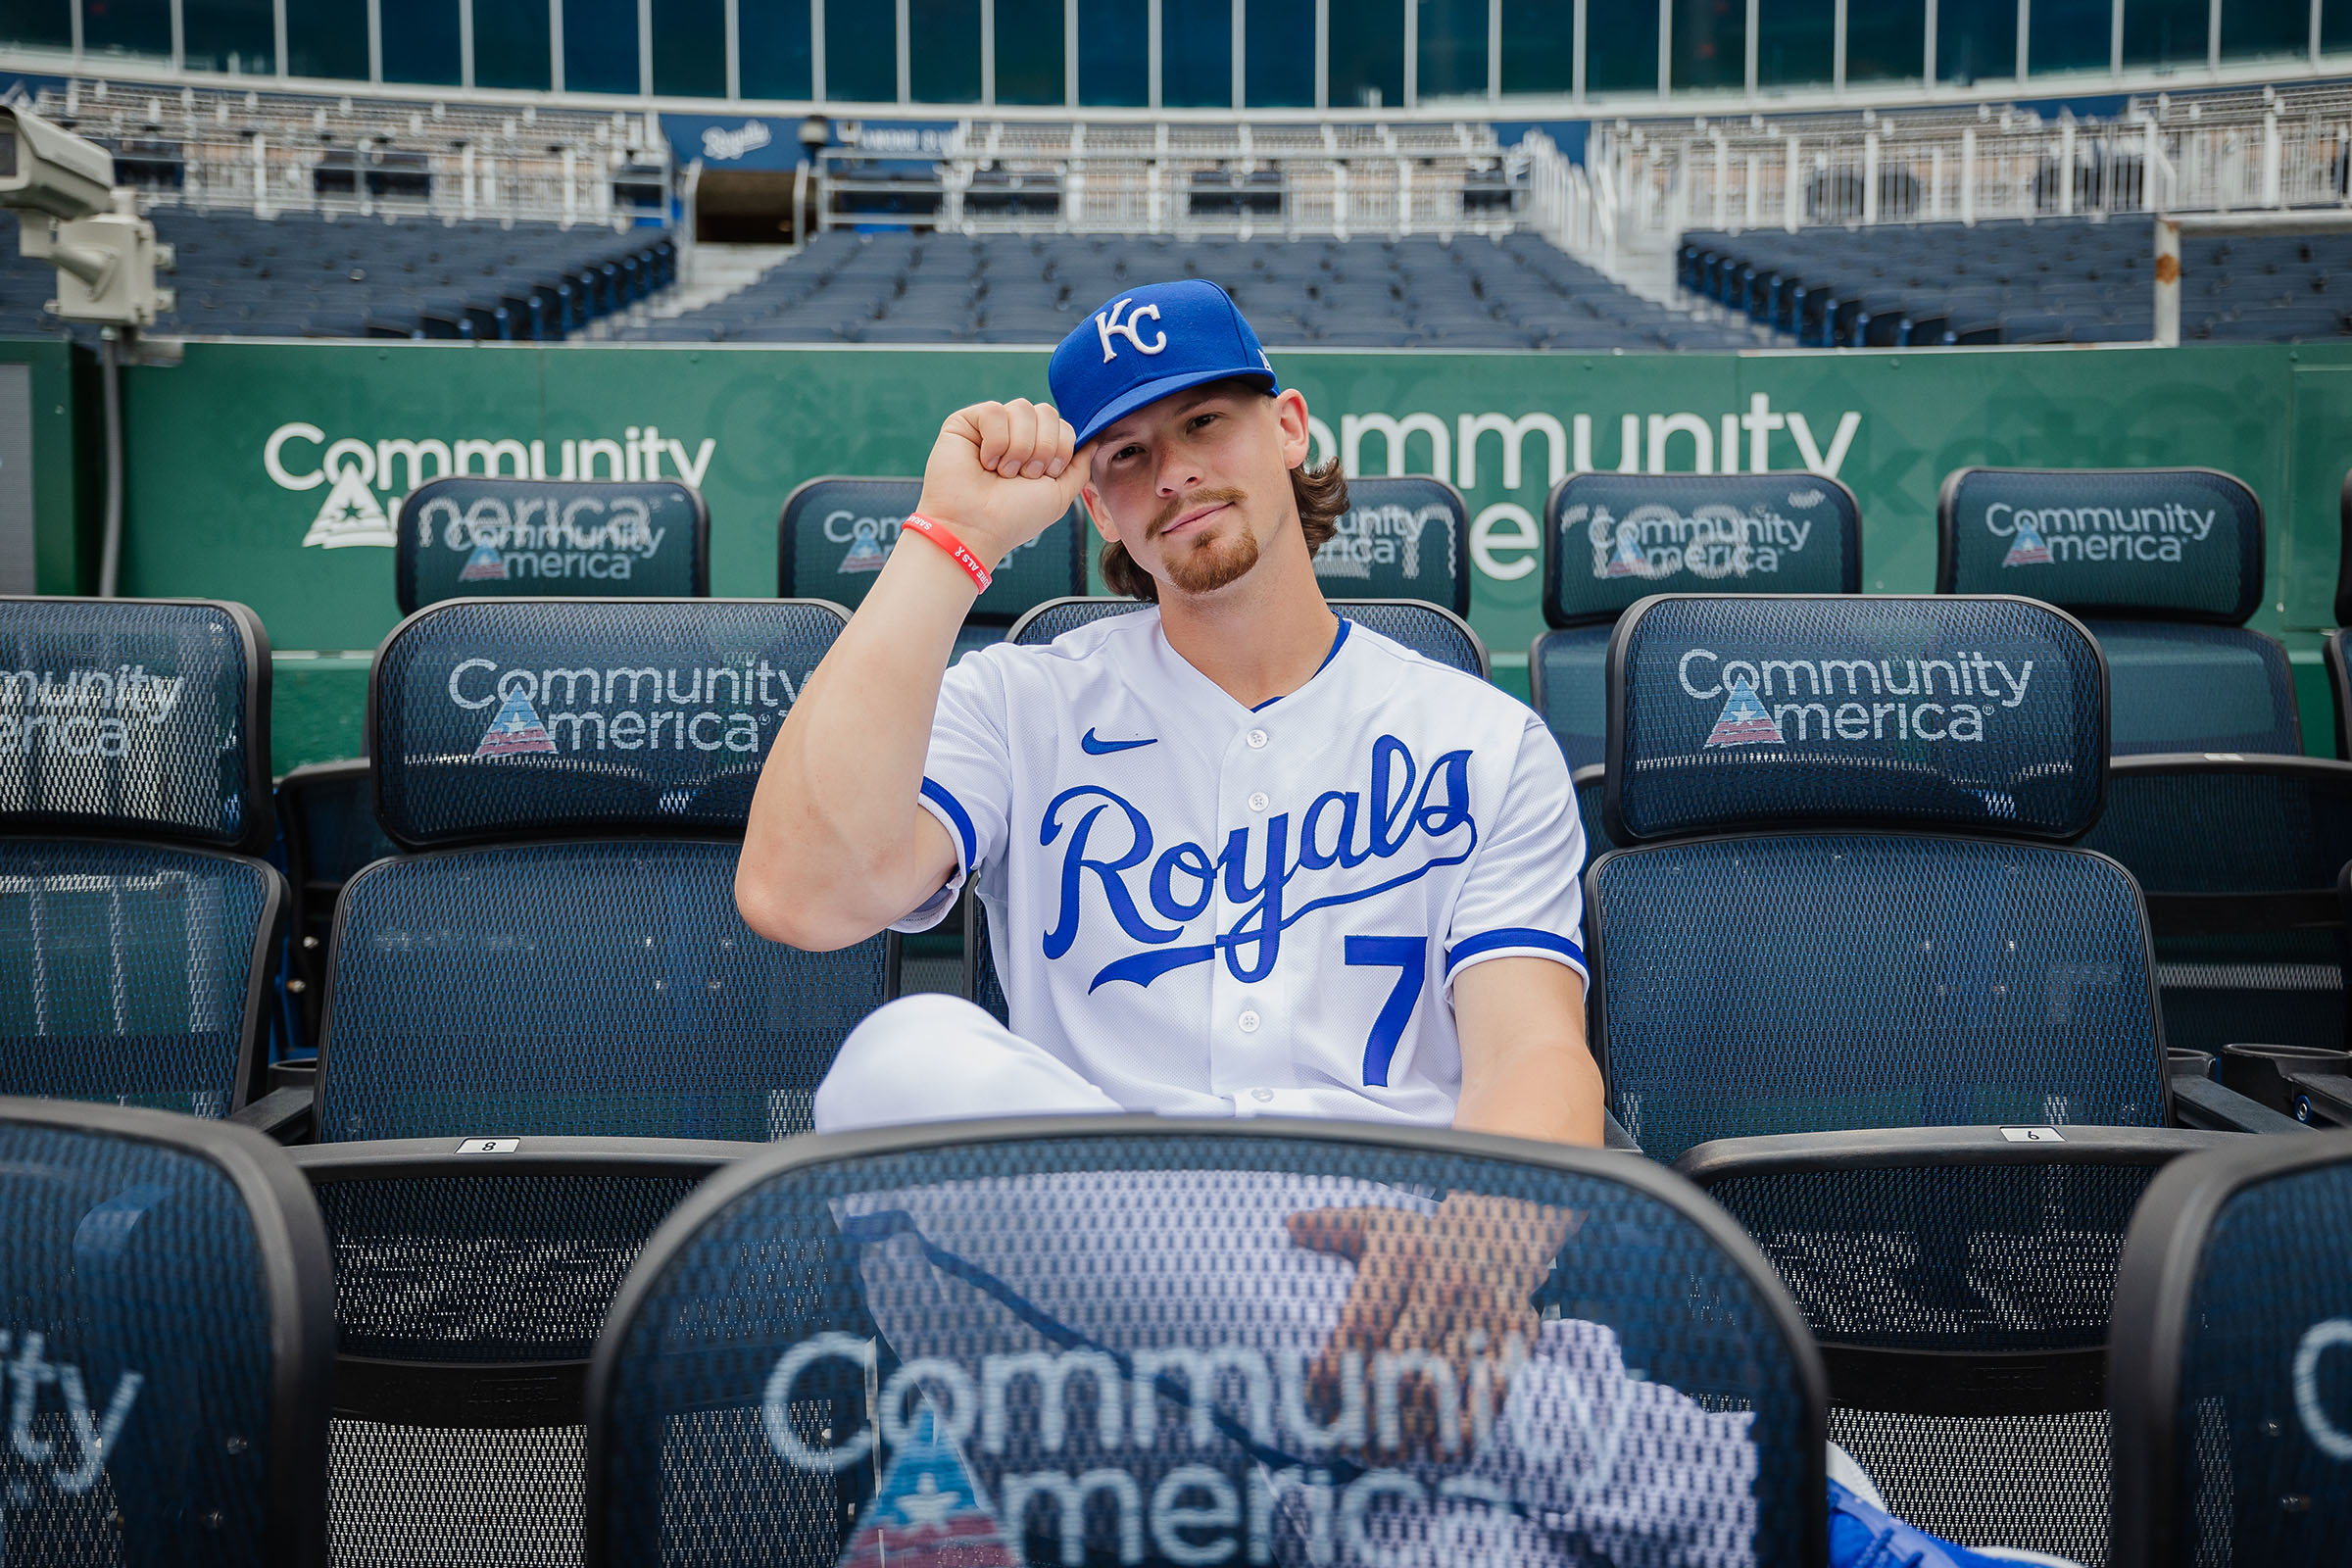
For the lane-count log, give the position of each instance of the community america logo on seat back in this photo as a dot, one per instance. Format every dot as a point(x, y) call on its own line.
point(476, 537)
point(567, 715)
point(1988, 713)
point(2181, 543)
point(1617, 538)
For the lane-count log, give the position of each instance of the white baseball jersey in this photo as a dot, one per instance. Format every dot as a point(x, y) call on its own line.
point(1206, 909)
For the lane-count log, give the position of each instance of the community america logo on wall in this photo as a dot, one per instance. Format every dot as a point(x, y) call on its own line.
point(365, 481)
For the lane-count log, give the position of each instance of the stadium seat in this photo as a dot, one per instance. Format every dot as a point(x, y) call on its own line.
point(1959, 1282)
point(139, 932)
point(2340, 686)
point(2229, 1370)
point(1005, 1285)
point(1819, 920)
point(326, 813)
point(474, 536)
point(836, 532)
point(2121, 547)
point(2239, 858)
point(170, 1328)
point(545, 1021)
point(1635, 535)
point(1384, 549)
point(1428, 629)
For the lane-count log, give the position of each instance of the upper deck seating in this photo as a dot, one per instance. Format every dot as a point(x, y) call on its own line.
point(138, 929)
point(1518, 292)
point(302, 274)
point(2050, 280)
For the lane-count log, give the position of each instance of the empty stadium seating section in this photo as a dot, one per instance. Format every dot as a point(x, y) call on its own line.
point(2051, 281)
point(1420, 292)
point(305, 275)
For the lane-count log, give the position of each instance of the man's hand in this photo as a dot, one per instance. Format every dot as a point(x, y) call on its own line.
point(1000, 473)
point(1457, 1286)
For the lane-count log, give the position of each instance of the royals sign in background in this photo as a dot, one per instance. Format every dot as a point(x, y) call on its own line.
point(214, 509)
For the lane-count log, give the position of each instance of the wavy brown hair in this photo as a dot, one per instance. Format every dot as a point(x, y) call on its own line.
point(1322, 497)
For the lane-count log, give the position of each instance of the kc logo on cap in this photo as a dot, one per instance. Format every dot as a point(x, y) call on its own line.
point(1195, 335)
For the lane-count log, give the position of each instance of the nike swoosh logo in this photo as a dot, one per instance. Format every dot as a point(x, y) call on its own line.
point(1093, 747)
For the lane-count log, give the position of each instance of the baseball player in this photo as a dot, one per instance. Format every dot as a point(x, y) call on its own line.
point(1240, 858)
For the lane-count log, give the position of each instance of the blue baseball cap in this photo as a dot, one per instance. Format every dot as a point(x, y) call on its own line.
point(1149, 343)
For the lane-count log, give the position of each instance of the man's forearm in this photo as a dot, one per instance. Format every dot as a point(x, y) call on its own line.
point(1544, 1087)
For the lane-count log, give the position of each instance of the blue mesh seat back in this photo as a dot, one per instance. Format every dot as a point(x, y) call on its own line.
point(136, 973)
point(1427, 629)
point(1982, 714)
point(988, 986)
point(1818, 982)
point(1051, 619)
point(548, 717)
point(477, 536)
point(1591, 790)
point(600, 988)
point(1568, 676)
point(2173, 543)
point(136, 719)
point(2340, 688)
point(836, 534)
point(2191, 827)
point(1145, 1276)
point(1400, 538)
point(1611, 539)
point(2181, 687)
point(141, 1314)
point(330, 809)
point(1961, 1260)
point(2262, 1417)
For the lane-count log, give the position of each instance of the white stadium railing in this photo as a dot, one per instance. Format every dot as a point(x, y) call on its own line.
point(263, 152)
point(1643, 184)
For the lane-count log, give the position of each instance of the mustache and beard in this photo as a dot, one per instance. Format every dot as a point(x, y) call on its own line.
point(1211, 559)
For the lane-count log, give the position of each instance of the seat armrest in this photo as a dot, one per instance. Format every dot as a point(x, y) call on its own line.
point(2202, 1103)
point(284, 1115)
point(1614, 1136)
point(2322, 1098)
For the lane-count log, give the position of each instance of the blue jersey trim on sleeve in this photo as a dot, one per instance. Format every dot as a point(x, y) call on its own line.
point(1319, 668)
point(1513, 937)
point(959, 816)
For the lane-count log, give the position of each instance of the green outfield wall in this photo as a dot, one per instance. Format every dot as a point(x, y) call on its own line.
point(270, 472)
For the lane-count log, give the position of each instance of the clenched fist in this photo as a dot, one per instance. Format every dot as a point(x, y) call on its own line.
point(1000, 473)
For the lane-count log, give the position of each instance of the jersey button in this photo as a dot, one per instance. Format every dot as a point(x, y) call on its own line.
point(1258, 802)
point(1257, 739)
point(1248, 1022)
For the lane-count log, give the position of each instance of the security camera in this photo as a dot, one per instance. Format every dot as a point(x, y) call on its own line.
point(50, 169)
point(77, 218)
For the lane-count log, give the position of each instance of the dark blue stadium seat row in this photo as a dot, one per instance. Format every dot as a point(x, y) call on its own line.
point(2062, 280)
point(298, 274)
point(1517, 292)
point(486, 929)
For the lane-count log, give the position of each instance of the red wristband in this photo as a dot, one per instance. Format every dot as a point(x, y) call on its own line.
point(937, 533)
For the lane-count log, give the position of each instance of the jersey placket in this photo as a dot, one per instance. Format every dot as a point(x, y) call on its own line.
point(1251, 1023)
